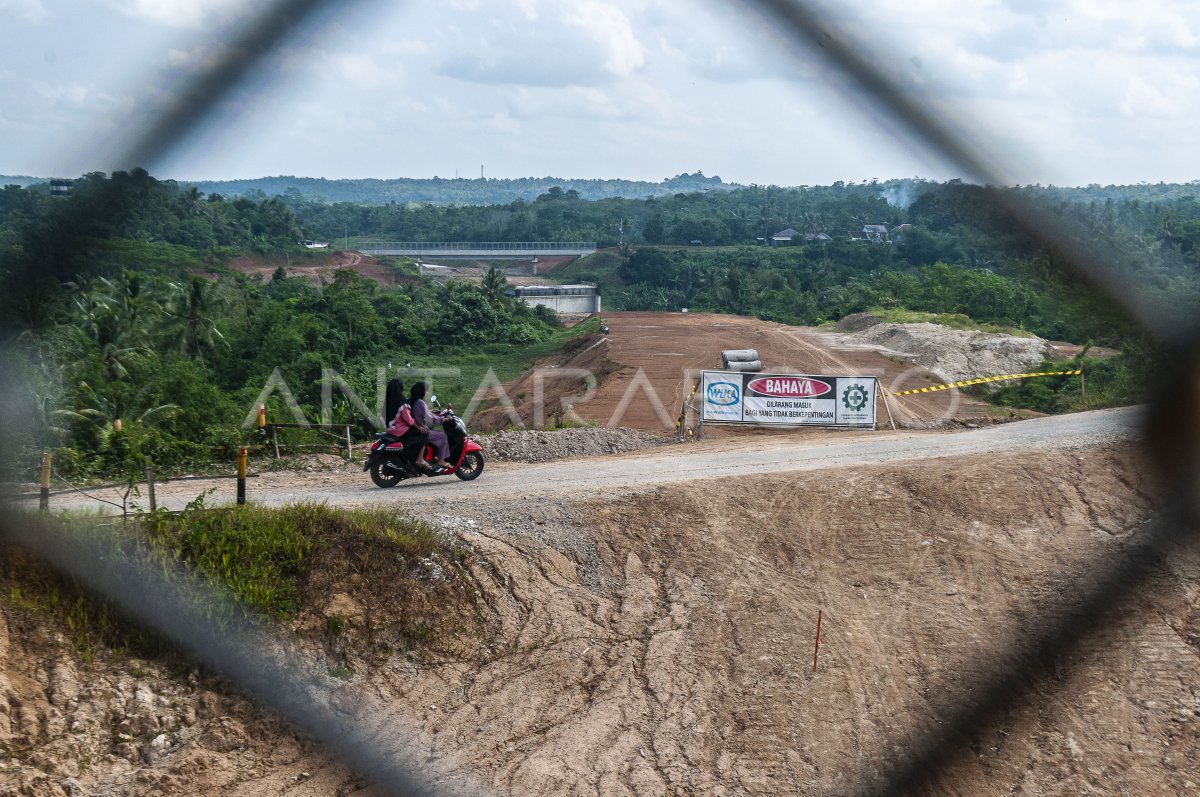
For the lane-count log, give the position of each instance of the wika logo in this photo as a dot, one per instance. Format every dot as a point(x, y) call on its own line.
point(723, 394)
point(789, 387)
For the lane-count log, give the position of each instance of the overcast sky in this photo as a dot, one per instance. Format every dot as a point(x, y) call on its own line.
point(1076, 92)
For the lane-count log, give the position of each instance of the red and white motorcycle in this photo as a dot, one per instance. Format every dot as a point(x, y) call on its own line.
point(389, 467)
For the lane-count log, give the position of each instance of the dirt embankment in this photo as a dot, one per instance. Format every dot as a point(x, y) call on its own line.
point(317, 269)
point(952, 354)
point(660, 642)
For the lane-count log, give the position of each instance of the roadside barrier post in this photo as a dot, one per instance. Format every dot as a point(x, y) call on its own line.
point(241, 475)
point(262, 416)
point(44, 499)
point(1082, 386)
point(150, 487)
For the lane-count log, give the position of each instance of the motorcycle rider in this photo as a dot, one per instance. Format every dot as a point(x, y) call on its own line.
point(411, 434)
point(424, 418)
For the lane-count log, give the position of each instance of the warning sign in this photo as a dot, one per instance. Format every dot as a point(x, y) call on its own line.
point(787, 399)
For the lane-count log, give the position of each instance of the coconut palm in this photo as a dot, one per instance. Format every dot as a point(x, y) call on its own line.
point(98, 322)
point(189, 323)
point(494, 283)
point(103, 408)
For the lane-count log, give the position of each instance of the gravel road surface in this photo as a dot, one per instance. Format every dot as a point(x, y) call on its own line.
point(712, 459)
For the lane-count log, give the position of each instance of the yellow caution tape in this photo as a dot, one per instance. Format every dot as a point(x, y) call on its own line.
point(982, 380)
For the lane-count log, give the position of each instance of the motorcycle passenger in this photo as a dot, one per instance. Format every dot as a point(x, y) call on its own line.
point(411, 434)
point(424, 418)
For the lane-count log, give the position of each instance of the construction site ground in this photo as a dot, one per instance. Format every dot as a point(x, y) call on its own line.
point(667, 351)
point(649, 621)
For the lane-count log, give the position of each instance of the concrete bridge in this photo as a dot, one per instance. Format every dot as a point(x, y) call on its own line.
point(481, 250)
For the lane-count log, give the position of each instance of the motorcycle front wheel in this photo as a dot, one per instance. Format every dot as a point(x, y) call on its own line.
point(382, 477)
point(470, 467)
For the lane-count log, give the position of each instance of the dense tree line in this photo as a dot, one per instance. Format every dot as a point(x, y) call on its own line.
point(456, 191)
point(117, 303)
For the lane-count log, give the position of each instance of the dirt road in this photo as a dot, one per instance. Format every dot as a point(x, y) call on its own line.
point(710, 459)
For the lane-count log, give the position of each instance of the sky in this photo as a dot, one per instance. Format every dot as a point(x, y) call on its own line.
point(1063, 92)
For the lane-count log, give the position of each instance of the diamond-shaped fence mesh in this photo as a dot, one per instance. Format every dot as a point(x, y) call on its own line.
point(261, 665)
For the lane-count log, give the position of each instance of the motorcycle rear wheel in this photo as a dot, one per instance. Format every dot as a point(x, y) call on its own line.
point(470, 467)
point(384, 478)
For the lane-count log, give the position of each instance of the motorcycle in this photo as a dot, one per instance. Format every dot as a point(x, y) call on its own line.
point(389, 467)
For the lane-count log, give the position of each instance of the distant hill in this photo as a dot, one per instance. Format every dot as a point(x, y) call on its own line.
point(22, 180)
point(443, 191)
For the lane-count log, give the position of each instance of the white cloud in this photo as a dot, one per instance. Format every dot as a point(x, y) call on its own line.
point(28, 10)
point(176, 13)
point(608, 26)
point(361, 70)
point(404, 47)
point(618, 87)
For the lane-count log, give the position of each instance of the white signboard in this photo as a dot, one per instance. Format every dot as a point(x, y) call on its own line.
point(787, 399)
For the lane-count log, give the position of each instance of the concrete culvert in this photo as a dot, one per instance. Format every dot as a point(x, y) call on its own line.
point(739, 356)
point(752, 365)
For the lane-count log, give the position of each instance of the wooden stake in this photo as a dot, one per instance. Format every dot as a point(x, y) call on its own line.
point(817, 645)
point(349, 446)
point(886, 406)
point(1082, 386)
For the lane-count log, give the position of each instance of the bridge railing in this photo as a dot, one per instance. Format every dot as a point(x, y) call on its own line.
point(499, 246)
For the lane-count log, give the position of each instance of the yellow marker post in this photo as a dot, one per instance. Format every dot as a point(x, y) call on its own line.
point(241, 474)
point(262, 416)
point(47, 463)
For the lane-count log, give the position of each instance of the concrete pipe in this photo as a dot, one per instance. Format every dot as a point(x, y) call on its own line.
point(739, 355)
point(752, 365)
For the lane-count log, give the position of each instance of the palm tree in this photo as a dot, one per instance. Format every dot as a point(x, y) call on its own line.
point(493, 284)
point(99, 322)
point(189, 320)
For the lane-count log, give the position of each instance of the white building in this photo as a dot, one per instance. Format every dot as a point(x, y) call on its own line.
point(559, 298)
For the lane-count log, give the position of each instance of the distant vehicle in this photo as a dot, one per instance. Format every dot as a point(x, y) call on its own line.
point(316, 245)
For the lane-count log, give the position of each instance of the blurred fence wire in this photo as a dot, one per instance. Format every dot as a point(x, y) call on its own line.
point(255, 662)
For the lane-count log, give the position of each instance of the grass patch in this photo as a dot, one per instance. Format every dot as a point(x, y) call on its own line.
point(302, 566)
point(895, 315)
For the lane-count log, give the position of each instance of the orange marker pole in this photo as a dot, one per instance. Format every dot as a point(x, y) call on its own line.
point(817, 646)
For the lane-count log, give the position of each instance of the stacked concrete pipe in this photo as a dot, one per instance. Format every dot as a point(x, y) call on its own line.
point(741, 360)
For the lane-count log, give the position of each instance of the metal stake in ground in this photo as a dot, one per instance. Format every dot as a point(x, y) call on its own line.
point(241, 475)
point(817, 644)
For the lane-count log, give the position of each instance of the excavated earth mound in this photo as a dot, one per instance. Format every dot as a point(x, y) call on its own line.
point(544, 446)
point(952, 354)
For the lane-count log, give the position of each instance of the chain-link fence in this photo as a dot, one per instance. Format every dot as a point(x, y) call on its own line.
point(263, 666)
